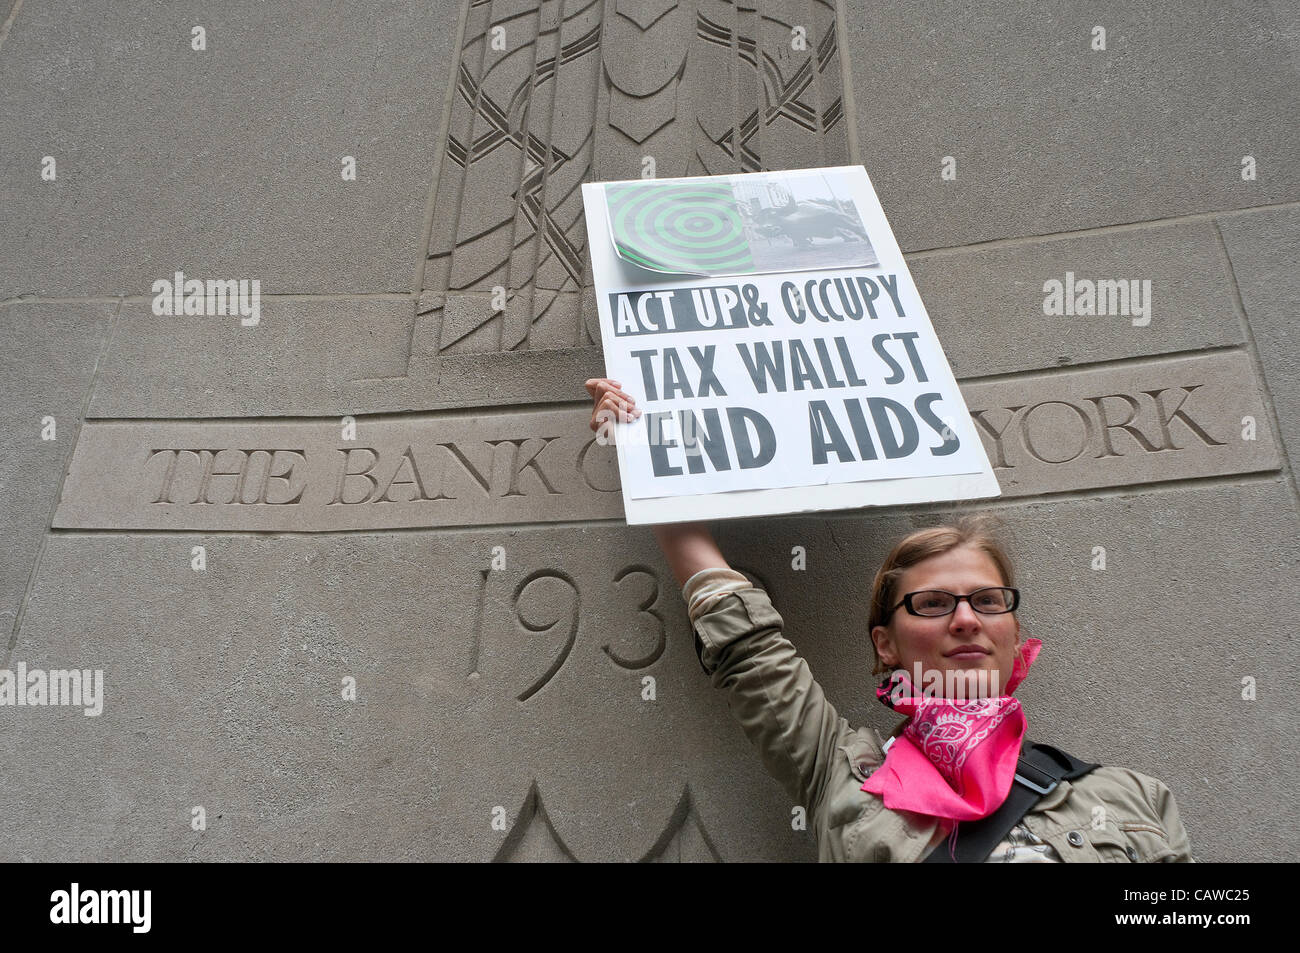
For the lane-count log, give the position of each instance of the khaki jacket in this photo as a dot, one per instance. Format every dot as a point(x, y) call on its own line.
point(1111, 814)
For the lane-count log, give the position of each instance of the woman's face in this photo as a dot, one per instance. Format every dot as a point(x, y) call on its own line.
point(933, 642)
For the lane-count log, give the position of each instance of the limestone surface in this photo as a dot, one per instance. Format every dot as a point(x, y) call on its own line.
point(341, 553)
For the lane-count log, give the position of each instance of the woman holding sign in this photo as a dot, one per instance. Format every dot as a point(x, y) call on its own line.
point(959, 769)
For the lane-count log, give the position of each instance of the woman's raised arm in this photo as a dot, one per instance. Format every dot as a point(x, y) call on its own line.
point(741, 645)
point(688, 547)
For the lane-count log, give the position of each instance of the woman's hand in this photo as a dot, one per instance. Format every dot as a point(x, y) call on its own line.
point(612, 404)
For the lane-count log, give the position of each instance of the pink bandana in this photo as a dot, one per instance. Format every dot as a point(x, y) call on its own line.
point(954, 759)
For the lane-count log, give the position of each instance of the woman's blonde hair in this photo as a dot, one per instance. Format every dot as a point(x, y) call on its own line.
point(977, 531)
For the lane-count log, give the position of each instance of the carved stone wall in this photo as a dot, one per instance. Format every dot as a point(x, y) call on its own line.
point(357, 577)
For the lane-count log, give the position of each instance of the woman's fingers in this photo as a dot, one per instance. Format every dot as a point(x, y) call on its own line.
point(612, 403)
point(610, 408)
point(597, 387)
point(626, 405)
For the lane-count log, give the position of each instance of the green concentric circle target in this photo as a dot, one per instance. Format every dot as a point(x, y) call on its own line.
point(681, 228)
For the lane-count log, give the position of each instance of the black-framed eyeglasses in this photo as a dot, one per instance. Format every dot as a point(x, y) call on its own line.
point(991, 600)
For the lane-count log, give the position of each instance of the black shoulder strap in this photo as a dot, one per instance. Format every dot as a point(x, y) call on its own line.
point(1040, 769)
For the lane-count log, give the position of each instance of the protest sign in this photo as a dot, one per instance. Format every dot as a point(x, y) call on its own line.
point(772, 336)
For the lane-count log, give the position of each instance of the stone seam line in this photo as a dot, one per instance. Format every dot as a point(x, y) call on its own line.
point(9, 22)
point(1266, 392)
point(65, 465)
point(1057, 496)
point(920, 255)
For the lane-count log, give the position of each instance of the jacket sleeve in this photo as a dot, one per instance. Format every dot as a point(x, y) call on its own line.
point(770, 689)
point(1162, 802)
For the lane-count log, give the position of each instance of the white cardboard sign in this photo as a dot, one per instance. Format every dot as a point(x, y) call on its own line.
point(774, 340)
